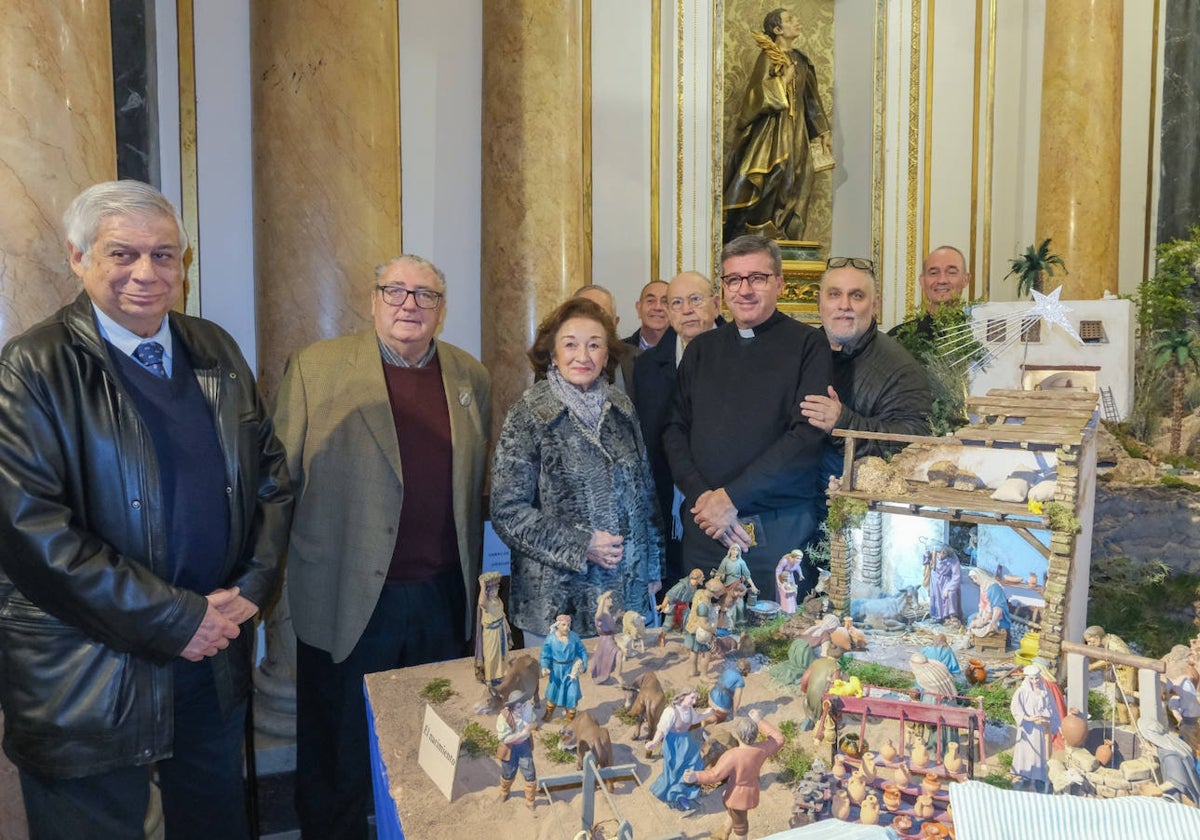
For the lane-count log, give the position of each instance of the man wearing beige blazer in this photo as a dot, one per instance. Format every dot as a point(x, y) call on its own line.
point(386, 434)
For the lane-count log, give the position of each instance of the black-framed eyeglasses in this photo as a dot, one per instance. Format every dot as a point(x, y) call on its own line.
point(757, 280)
point(692, 301)
point(396, 295)
point(861, 263)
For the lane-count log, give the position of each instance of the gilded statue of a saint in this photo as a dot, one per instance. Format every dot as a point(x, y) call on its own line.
point(781, 139)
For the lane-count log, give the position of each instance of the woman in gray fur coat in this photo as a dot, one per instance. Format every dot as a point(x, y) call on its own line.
point(572, 495)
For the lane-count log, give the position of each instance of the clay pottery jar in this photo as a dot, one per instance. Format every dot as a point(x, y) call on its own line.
point(924, 807)
point(976, 672)
point(840, 806)
point(952, 761)
point(888, 753)
point(869, 814)
point(868, 767)
point(839, 766)
point(851, 746)
point(931, 784)
point(902, 823)
point(920, 756)
point(1074, 729)
point(934, 829)
point(891, 798)
point(856, 786)
point(900, 776)
point(1104, 752)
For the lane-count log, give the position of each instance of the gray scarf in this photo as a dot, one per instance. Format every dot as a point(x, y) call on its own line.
point(587, 406)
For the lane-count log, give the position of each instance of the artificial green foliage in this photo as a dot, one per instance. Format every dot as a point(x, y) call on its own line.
point(1098, 708)
point(845, 512)
point(872, 673)
point(1033, 266)
point(437, 690)
point(769, 641)
point(792, 759)
point(554, 752)
point(1062, 518)
point(477, 741)
point(948, 377)
point(1150, 606)
point(1176, 352)
point(997, 699)
point(1178, 483)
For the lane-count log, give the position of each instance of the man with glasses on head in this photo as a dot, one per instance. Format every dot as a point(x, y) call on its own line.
point(692, 305)
point(736, 442)
point(386, 433)
point(877, 385)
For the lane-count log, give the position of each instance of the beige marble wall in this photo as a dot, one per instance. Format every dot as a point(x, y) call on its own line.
point(532, 232)
point(1079, 166)
point(326, 168)
point(56, 138)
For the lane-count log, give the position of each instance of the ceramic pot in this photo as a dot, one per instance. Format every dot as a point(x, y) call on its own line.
point(869, 814)
point(952, 761)
point(1104, 752)
point(888, 753)
point(902, 823)
point(1074, 729)
point(856, 786)
point(840, 806)
point(920, 756)
point(924, 807)
point(900, 776)
point(839, 766)
point(976, 672)
point(931, 784)
point(851, 746)
point(891, 798)
point(934, 829)
point(868, 766)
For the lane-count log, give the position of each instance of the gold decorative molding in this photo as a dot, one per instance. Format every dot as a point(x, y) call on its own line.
point(1147, 234)
point(655, 136)
point(879, 93)
point(679, 138)
point(927, 181)
point(586, 164)
point(188, 168)
point(971, 239)
point(985, 269)
point(914, 136)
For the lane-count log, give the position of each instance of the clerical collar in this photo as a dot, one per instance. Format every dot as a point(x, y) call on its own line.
point(751, 332)
point(391, 357)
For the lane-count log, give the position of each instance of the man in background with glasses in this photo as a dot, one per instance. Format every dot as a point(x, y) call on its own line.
point(386, 433)
point(692, 305)
point(877, 385)
point(737, 445)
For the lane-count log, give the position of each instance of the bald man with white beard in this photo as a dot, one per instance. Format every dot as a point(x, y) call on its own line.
point(692, 309)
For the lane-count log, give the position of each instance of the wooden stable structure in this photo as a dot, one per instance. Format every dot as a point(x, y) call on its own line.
point(1008, 428)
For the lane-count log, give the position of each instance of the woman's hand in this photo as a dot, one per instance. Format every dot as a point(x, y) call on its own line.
point(605, 549)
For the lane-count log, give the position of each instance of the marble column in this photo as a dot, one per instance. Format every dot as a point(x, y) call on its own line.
point(532, 224)
point(326, 103)
point(326, 124)
point(1079, 159)
point(56, 138)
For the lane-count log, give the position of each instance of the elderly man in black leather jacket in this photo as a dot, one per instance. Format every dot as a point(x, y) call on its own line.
point(877, 385)
point(144, 507)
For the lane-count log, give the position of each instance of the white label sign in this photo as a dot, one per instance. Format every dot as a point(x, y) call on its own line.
point(438, 755)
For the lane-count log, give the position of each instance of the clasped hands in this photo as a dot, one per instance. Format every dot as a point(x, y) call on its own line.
point(226, 611)
point(605, 549)
point(716, 515)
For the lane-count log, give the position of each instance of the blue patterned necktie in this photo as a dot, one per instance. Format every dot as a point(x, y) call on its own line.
point(150, 354)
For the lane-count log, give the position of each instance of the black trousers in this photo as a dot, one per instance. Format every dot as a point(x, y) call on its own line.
point(412, 624)
point(201, 785)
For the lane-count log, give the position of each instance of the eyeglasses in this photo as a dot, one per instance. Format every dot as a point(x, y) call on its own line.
point(860, 263)
point(757, 280)
point(425, 298)
point(692, 301)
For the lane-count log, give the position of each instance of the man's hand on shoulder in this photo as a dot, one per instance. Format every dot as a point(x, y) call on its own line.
point(226, 610)
point(822, 412)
